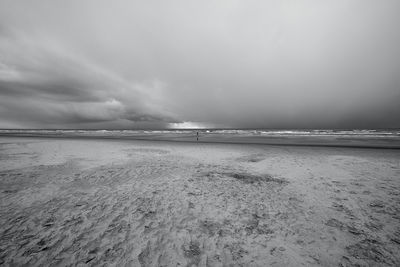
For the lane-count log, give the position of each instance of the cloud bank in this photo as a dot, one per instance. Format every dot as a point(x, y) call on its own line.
point(135, 64)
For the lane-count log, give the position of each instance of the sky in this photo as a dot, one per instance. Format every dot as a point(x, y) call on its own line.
point(99, 64)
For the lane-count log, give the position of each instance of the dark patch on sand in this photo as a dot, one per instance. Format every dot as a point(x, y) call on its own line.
point(250, 178)
point(247, 178)
point(370, 250)
point(143, 257)
point(192, 252)
point(210, 227)
point(252, 158)
point(335, 223)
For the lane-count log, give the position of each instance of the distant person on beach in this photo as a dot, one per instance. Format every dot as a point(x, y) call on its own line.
point(197, 136)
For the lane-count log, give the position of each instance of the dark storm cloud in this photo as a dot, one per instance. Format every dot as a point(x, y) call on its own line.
point(134, 64)
point(46, 87)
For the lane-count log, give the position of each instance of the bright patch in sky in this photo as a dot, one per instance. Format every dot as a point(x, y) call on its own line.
point(187, 125)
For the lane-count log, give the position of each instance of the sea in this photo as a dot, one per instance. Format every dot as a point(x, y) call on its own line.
point(354, 133)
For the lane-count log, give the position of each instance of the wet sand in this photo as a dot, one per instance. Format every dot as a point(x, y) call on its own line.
point(145, 203)
point(383, 140)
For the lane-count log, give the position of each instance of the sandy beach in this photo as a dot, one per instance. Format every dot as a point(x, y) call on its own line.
point(97, 202)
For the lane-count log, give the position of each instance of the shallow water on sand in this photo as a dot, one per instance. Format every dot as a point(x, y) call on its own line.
point(384, 138)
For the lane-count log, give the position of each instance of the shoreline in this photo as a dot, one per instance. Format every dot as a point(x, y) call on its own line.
point(371, 143)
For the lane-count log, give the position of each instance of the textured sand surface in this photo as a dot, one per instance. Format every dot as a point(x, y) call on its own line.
point(140, 203)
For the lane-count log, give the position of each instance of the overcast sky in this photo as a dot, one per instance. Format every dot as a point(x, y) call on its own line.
point(156, 64)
